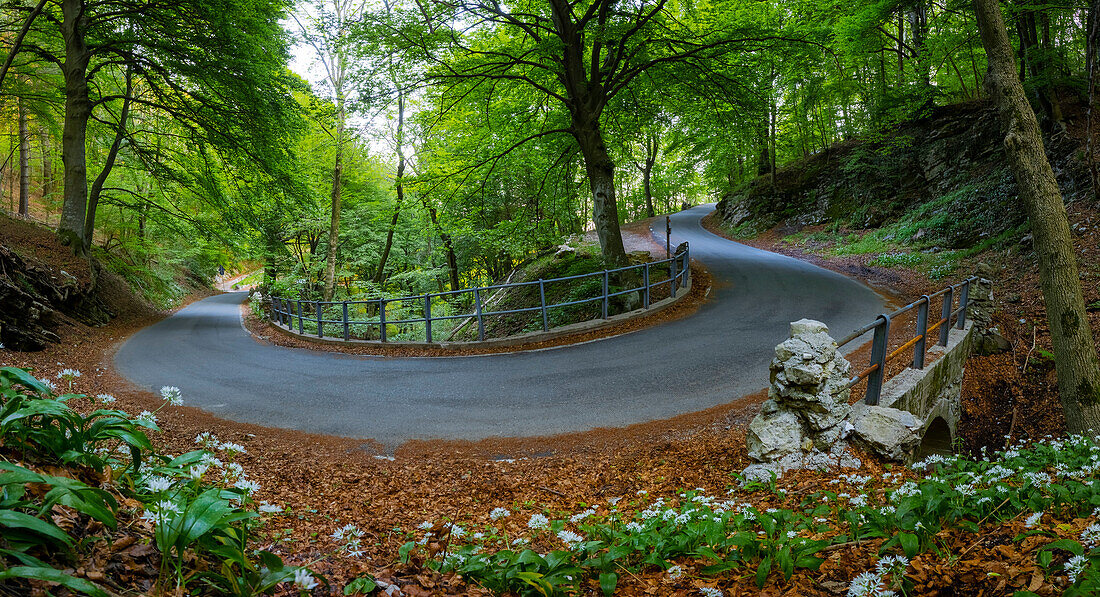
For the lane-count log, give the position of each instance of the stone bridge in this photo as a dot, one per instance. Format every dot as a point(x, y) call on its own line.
point(808, 420)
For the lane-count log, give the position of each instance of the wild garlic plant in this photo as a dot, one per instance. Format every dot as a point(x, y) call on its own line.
point(694, 534)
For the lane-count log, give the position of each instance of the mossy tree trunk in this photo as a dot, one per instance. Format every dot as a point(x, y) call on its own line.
point(1075, 358)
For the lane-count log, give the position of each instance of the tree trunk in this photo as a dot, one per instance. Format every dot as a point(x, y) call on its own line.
point(1075, 358)
point(78, 109)
point(448, 244)
point(47, 166)
point(400, 186)
point(601, 179)
point(108, 165)
point(1092, 59)
point(651, 149)
point(337, 196)
point(24, 162)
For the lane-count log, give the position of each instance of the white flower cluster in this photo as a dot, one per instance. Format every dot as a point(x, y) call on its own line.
point(538, 522)
point(570, 539)
point(350, 537)
point(499, 513)
point(172, 395)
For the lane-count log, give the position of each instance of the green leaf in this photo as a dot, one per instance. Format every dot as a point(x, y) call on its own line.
point(1067, 544)
point(18, 520)
point(762, 571)
point(203, 514)
point(608, 581)
point(403, 551)
point(910, 544)
point(361, 586)
point(26, 379)
point(56, 576)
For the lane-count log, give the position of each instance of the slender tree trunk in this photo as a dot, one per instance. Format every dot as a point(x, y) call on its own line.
point(337, 196)
point(400, 186)
point(651, 148)
point(24, 162)
point(108, 165)
point(47, 166)
point(78, 109)
point(1075, 357)
point(448, 244)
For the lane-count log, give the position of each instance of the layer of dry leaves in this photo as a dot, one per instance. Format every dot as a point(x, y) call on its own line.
point(326, 482)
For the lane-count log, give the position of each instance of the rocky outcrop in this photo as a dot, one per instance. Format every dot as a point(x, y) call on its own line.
point(951, 159)
point(35, 300)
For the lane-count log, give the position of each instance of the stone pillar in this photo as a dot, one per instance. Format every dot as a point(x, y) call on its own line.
point(808, 398)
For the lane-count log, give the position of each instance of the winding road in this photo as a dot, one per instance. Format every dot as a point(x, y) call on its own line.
point(712, 357)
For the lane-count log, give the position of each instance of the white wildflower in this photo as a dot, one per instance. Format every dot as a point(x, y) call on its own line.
point(425, 525)
point(867, 585)
point(172, 395)
point(1033, 520)
point(231, 449)
point(197, 471)
point(303, 580)
point(249, 487)
point(1091, 535)
point(579, 516)
point(1075, 566)
point(158, 484)
point(104, 398)
point(571, 539)
point(538, 522)
point(148, 417)
point(68, 374)
point(711, 592)
point(266, 508)
point(675, 572)
point(48, 383)
point(499, 513)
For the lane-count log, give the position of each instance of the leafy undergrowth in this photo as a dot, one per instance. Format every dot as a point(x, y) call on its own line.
point(1022, 521)
point(89, 506)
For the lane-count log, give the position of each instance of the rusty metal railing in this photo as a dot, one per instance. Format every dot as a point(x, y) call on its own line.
point(875, 373)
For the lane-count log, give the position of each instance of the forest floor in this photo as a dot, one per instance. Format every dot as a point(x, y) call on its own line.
point(326, 482)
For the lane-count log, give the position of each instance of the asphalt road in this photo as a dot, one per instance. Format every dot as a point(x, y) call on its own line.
point(712, 357)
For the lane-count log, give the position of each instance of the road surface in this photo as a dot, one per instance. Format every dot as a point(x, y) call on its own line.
point(712, 357)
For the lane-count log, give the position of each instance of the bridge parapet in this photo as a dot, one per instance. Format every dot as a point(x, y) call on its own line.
point(807, 418)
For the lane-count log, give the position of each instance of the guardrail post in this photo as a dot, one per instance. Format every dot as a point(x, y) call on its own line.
point(878, 357)
point(687, 267)
point(320, 317)
point(301, 326)
point(347, 329)
point(645, 282)
point(964, 302)
point(922, 332)
point(542, 302)
point(605, 298)
point(945, 315)
point(477, 311)
point(672, 278)
point(428, 317)
point(382, 319)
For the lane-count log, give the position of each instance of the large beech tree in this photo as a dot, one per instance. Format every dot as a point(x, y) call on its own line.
point(1075, 358)
point(215, 66)
point(570, 60)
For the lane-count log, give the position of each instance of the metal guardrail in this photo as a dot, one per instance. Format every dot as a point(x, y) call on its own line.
point(875, 373)
point(286, 312)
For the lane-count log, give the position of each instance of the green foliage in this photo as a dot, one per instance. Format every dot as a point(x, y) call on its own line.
point(190, 516)
point(719, 535)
